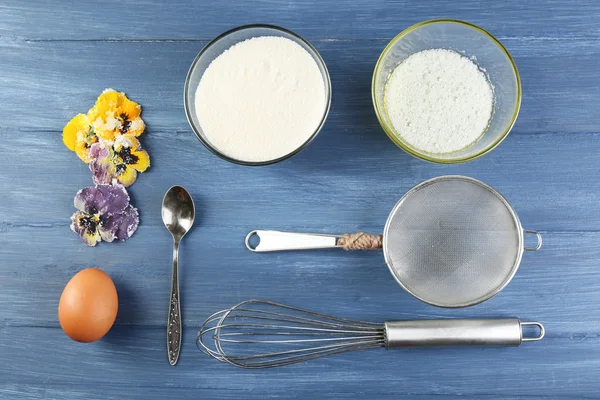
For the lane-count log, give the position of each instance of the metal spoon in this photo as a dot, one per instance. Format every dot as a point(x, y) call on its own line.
point(178, 216)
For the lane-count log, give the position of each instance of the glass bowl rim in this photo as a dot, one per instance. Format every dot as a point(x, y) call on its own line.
point(188, 113)
point(423, 155)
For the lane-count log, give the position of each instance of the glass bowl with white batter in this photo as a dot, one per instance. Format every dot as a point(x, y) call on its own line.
point(446, 91)
point(257, 95)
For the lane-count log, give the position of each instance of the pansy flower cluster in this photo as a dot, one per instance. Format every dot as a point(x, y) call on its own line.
point(104, 213)
point(106, 138)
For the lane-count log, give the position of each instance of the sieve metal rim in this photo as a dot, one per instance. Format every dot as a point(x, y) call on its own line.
point(517, 222)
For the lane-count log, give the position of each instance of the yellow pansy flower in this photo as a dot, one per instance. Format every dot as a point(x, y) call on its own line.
point(118, 162)
point(114, 115)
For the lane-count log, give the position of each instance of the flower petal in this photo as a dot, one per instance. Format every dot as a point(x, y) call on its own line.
point(136, 127)
point(78, 136)
point(106, 128)
point(103, 171)
point(91, 239)
point(103, 115)
point(102, 166)
point(75, 227)
point(99, 150)
point(126, 141)
point(129, 223)
point(110, 98)
point(140, 160)
point(143, 160)
point(131, 109)
point(121, 226)
point(76, 125)
point(128, 176)
point(82, 150)
point(85, 199)
point(102, 199)
point(89, 236)
point(108, 232)
point(114, 199)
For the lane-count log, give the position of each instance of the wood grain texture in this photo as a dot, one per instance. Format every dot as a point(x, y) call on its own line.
point(56, 57)
point(357, 19)
point(557, 100)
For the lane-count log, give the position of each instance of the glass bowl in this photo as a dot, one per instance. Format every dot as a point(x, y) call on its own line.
point(214, 49)
point(468, 40)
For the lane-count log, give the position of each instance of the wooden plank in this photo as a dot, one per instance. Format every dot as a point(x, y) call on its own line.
point(355, 189)
point(553, 368)
point(68, 76)
point(556, 285)
point(74, 392)
point(181, 19)
point(84, 392)
point(71, 391)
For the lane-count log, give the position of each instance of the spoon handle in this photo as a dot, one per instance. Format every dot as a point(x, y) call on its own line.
point(174, 321)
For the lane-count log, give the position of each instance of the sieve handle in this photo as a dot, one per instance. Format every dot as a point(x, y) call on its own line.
point(539, 240)
point(280, 241)
point(459, 332)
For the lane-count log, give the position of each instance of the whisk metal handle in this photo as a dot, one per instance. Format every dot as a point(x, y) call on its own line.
point(460, 332)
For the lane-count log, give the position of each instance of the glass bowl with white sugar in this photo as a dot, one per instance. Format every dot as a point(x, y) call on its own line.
point(257, 95)
point(446, 91)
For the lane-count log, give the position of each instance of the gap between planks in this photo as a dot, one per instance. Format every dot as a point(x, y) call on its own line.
point(13, 39)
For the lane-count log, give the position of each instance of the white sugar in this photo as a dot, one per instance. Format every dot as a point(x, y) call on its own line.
point(261, 99)
point(439, 101)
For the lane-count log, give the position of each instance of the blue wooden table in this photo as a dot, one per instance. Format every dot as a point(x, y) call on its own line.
point(56, 58)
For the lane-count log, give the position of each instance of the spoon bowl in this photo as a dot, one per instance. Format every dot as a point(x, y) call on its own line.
point(178, 211)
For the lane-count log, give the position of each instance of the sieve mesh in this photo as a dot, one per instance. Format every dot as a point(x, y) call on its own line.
point(453, 241)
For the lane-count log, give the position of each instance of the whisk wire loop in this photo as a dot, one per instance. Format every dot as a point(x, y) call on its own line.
point(285, 329)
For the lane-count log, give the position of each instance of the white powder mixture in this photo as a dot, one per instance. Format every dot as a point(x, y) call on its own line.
point(261, 99)
point(439, 101)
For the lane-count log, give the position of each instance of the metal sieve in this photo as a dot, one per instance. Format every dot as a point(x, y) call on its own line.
point(451, 241)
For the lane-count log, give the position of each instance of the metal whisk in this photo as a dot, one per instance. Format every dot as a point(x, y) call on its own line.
point(265, 334)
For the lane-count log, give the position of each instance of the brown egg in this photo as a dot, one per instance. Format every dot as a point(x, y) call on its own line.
point(88, 305)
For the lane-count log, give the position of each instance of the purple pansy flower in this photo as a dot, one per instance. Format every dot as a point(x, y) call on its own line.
point(104, 213)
